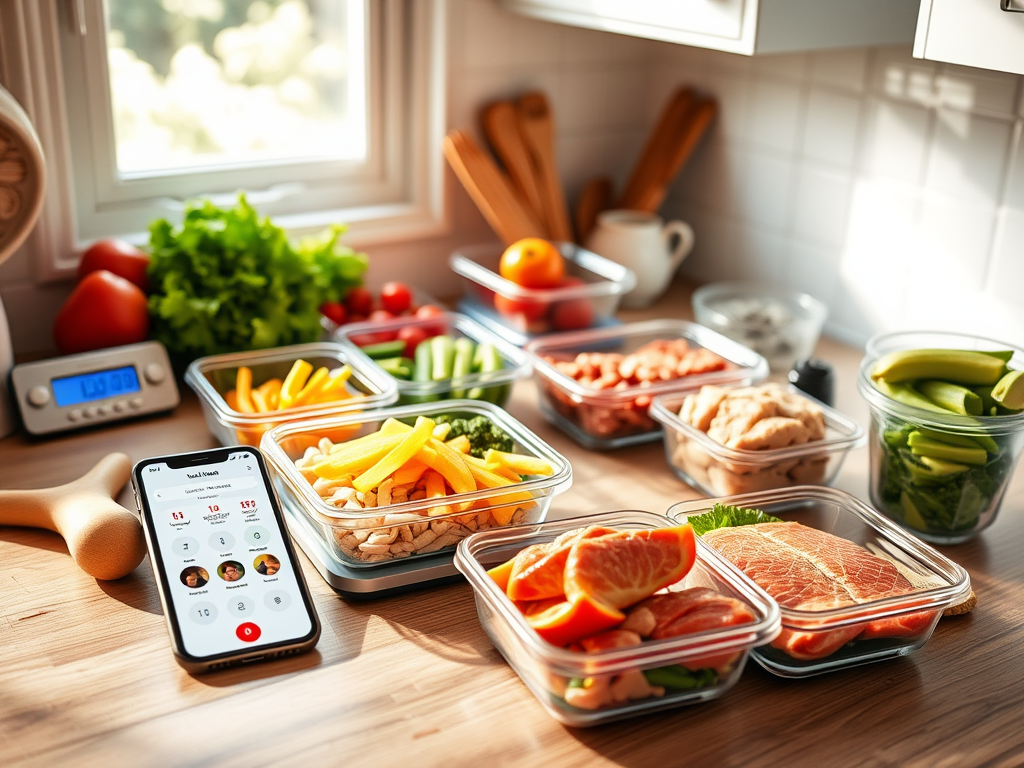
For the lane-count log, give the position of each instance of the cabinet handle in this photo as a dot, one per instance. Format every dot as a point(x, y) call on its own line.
point(1012, 6)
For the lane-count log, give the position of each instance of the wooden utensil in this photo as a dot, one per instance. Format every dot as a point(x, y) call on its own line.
point(501, 126)
point(490, 189)
point(699, 117)
point(537, 124)
point(649, 167)
point(595, 198)
point(104, 538)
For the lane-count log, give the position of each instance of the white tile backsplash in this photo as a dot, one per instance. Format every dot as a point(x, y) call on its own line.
point(832, 127)
point(967, 156)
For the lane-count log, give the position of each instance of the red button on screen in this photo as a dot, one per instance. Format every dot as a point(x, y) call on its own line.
point(248, 632)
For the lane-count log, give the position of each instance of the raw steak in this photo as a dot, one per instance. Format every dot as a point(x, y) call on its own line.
point(810, 570)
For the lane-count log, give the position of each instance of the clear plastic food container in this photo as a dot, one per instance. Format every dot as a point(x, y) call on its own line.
point(525, 312)
point(548, 670)
point(956, 502)
point(717, 470)
point(610, 417)
point(416, 527)
point(214, 376)
point(419, 299)
point(898, 625)
point(494, 387)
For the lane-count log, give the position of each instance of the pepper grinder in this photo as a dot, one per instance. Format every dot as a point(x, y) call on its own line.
point(815, 377)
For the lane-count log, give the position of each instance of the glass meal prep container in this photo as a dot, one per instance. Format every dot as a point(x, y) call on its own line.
point(214, 376)
point(419, 299)
point(494, 386)
point(718, 470)
point(379, 535)
point(604, 418)
point(947, 501)
point(899, 625)
point(549, 670)
point(593, 299)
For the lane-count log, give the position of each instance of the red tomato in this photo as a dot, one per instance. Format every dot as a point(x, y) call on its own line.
point(532, 263)
point(528, 308)
point(380, 316)
point(412, 335)
point(334, 312)
point(396, 297)
point(428, 311)
point(366, 339)
point(119, 257)
point(572, 314)
point(104, 310)
point(359, 301)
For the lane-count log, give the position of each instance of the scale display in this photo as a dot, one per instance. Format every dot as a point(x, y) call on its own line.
point(87, 387)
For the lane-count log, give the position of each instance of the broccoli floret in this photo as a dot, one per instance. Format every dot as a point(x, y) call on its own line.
point(483, 434)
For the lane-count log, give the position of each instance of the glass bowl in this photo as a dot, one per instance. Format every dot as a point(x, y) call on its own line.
point(548, 670)
point(520, 314)
point(494, 387)
point(717, 470)
point(901, 624)
point(612, 418)
point(950, 508)
point(213, 377)
point(782, 324)
point(428, 526)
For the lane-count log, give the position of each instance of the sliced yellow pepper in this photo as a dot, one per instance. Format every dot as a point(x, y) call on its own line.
point(271, 390)
point(450, 463)
point(518, 463)
point(408, 447)
point(308, 393)
point(243, 390)
point(410, 473)
point(294, 382)
point(436, 489)
point(354, 459)
point(460, 444)
point(259, 402)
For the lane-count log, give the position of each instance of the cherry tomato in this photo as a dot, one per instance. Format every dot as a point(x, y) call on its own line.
point(334, 312)
point(117, 256)
point(365, 339)
point(103, 311)
point(396, 297)
point(429, 311)
point(412, 335)
point(380, 316)
point(531, 310)
point(359, 301)
point(572, 314)
point(532, 263)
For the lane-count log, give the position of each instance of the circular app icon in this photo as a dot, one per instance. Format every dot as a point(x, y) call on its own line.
point(203, 613)
point(186, 546)
point(222, 542)
point(257, 536)
point(266, 565)
point(230, 570)
point(194, 577)
point(248, 632)
point(278, 600)
point(241, 606)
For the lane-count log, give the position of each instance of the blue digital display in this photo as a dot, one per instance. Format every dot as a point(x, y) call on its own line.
point(87, 387)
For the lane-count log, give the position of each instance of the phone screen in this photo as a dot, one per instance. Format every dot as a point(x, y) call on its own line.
point(230, 579)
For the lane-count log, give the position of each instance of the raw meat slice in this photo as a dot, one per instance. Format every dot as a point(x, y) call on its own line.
point(810, 570)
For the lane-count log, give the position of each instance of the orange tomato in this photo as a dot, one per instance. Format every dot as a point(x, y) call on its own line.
point(532, 263)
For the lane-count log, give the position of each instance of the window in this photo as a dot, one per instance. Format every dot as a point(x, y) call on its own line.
point(321, 110)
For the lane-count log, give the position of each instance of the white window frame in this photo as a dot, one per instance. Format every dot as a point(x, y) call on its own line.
point(398, 195)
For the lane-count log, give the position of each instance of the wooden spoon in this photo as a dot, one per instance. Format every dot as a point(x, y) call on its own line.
point(595, 198)
point(649, 167)
point(104, 538)
point(501, 126)
point(490, 189)
point(537, 125)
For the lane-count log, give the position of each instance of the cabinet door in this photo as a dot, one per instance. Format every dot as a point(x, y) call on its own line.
point(975, 33)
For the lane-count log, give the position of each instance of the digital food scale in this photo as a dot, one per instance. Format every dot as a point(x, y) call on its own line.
point(93, 388)
point(366, 583)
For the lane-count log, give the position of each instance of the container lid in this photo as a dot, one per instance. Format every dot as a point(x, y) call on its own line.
point(939, 582)
point(284, 465)
point(485, 549)
point(841, 433)
point(380, 388)
point(750, 367)
point(602, 276)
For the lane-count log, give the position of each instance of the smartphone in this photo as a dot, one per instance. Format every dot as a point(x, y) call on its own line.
point(230, 585)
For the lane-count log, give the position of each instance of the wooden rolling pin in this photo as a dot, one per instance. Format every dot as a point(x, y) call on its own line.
point(104, 538)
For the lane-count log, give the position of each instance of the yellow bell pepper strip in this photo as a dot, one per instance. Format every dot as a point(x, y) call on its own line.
point(294, 382)
point(451, 464)
point(243, 390)
point(394, 427)
point(410, 473)
point(399, 455)
point(353, 459)
point(436, 489)
point(308, 393)
point(460, 444)
point(271, 390)
point(441, 431)
point(518, 463)
point(231, 398)
point(259, 402)
point(334, 386)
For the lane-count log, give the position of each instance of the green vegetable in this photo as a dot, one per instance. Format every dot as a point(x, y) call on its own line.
point(463, 364)
point(920, 445)
point(675, 676)
point(722, 516)
point(399, 367)
point(424, 365)
point(952, 397)
point(906, 394)
point(487, 359)
point(442, 353)
point(228, 280)
point(958, 366)
point(482, 433)
point(1009, 391)
point(384, 349)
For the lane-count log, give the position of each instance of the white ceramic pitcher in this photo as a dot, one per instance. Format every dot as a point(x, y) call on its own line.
point(644, 243)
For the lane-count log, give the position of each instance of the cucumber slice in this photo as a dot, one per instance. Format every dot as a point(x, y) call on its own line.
point(486, 359)
point(463, 365)
point(442, 352)
point(1009, 391)
point(964, 441)
point(958, 366)
point(925, 446)
point(952, 397)
point(384, 349)
point(424, 362)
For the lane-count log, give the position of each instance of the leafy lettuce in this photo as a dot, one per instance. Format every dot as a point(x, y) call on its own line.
point(722, 516)
point(229, 279)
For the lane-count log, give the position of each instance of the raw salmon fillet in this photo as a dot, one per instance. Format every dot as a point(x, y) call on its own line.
point(810, 570)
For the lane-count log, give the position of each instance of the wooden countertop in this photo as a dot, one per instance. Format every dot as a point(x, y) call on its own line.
point(87, 676)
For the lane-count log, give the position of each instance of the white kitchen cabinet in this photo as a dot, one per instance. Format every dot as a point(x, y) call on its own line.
point(976, 33)
point(739, 26)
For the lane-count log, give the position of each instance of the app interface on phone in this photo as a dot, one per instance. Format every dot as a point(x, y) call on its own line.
point(232, 584)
